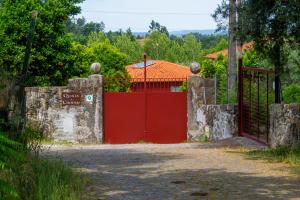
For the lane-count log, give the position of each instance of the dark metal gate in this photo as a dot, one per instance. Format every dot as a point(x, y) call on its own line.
point(256, 93)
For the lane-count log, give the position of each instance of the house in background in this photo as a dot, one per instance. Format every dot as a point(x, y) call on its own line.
point(224, 52)
point(161, 76)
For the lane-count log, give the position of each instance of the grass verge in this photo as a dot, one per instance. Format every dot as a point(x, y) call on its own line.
point(57, 181)
point(24, 175)
point(280, 154)
point(39, 179)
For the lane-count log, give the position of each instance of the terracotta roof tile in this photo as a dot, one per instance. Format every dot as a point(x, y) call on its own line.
point(160, 70)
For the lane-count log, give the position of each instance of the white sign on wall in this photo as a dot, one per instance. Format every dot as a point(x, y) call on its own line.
point(89, 98)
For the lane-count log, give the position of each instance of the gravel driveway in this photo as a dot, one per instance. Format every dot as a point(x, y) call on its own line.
point(183, 171)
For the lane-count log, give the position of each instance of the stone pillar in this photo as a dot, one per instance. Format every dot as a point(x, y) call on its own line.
point(201, 91)
point(285, 125)
point(89, 121)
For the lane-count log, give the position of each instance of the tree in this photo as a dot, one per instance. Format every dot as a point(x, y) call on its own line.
point(112, 60)
point(192, 49)
point(113, 35)
point(50, 59)
point(155, 26)
point(275, 25)
point(179, 50)
point(210, 42)
point(130, 34)
point(95, 37)
point(130, 47)
point(81, 30)
point(157, 45)
point(175, 52)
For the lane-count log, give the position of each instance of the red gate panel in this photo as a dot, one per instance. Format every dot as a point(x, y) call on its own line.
point(123, 117)
point(155, 117)
point(166, 117)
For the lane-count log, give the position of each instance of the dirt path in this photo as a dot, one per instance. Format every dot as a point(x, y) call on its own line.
point(184, 171)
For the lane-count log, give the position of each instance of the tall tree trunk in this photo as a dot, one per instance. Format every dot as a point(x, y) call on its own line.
point(232, 59)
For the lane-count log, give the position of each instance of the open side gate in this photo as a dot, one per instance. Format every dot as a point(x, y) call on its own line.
point(256, 93)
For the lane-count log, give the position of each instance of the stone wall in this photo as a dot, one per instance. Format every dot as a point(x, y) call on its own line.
point(215, 122)
point(284, 125)
point(75, 123)
point(205, 120)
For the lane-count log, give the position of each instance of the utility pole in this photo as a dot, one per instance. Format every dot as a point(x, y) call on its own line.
point(232, 57)
point(239, 21)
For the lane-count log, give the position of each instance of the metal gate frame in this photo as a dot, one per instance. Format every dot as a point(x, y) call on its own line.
point(254, 117)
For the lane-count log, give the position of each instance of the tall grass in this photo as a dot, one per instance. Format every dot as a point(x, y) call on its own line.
point(56, 181)
point(24, 175)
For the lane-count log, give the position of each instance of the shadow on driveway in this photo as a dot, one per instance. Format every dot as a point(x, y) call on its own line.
point(156, 173)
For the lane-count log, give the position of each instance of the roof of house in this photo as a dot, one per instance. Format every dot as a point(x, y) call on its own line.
point(224, 52)
point(158, 69)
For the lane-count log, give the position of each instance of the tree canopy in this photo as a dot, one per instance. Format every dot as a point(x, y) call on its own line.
point(50, 59)
point(129, 47)
point(155, 26)
point(271, 24)
point(80, 29)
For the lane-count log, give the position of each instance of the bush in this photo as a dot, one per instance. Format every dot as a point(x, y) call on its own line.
point(208, 69)
point(291, 94)
point(218, 69)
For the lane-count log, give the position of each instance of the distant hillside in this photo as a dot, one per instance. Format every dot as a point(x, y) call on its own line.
point(184, 32)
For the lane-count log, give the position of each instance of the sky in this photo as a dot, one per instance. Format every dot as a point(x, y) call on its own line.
point(176, 15)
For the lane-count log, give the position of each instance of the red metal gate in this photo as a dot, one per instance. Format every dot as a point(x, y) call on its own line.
point(155, 115)
point(256, 93)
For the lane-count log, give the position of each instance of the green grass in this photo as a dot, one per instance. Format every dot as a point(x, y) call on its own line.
point(280, 154)
point(39, 179)
point(56, 181)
